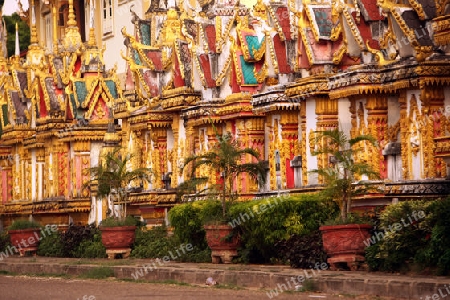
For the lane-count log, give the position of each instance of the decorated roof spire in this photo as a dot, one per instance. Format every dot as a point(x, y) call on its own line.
point(92, 55)
point(72, 21)
point(3, 37)
point(72, 39)
point(55, 29)
point(91, 41)
point(33, 37)
point(35, 55)
point(17, 49)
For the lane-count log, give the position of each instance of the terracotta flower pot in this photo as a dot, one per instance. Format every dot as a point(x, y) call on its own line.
point(118, 240)
point(25, 239)
point(222, 248)
point(120, 237)
point(345, 244)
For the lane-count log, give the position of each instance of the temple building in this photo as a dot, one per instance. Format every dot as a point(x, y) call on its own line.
point(166, 75)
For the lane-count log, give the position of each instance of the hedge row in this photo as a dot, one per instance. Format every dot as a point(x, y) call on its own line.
point(412, 236)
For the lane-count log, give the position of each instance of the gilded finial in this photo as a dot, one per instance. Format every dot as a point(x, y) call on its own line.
point(72, 39)
point(72, 21)
point(91, 41)
point(17, 50)
point(33, 37)
point(55, 30)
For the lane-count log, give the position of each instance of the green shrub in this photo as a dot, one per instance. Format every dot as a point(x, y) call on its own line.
point(74, 236)
point(264, 222)
point(153, 243)
point(402, 233)
point(436, 254)
point(51, 245)
point(91, 248)
point(197, 255)
point(188, 220)
point(23, 224)
point(77, 241)
point(302, 251)
point(260, 223)
point(4, 241)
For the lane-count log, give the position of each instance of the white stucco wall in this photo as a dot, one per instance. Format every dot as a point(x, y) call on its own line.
point(416, 168)
point(170, 143)
point(446, 108)
point(310, 125)
point(121, 18)
point(393, 110)
point(344, 115)
point(33, 175)
point(95, 214)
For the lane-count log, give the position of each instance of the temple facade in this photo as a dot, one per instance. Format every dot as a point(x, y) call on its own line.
point(271, 73)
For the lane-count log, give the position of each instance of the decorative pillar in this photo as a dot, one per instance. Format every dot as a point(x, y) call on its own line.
point(377, 122)
point(175, 150)
point(405, 138)
point(327, 119)
point(214, 176)
point(61, 158)
point(159, 136)
point(274, 153)
point(40, 159)
point(255, 133)
point(432, 98)
point(189, 146)
point(80, 171)
point(303, 146)
point(6, 180)
point(290, 145)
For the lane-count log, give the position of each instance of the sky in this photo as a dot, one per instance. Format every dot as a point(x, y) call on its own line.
point(11, 7)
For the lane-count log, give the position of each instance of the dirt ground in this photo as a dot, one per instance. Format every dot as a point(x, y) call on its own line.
point(42, 288)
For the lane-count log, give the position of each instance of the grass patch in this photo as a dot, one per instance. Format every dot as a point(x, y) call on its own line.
point(308, 286)
point(98, 273)
point(170, 281)
point(80, 262)
point(228, 287)
point(3, 272)
point(133, 280)
point(61, 275)
point(118, 262)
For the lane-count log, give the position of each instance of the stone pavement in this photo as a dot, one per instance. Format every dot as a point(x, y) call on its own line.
point(268, 277)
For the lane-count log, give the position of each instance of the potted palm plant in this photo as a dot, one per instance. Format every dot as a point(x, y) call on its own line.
point(112, 175)
point(343, 239)
point(25, 236)
point(225, 158)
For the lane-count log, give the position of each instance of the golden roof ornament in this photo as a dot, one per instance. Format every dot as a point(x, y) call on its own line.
point(259, 10)
point(92, 55)
point(36, 54)
point(72, 40)
point(171, 29)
